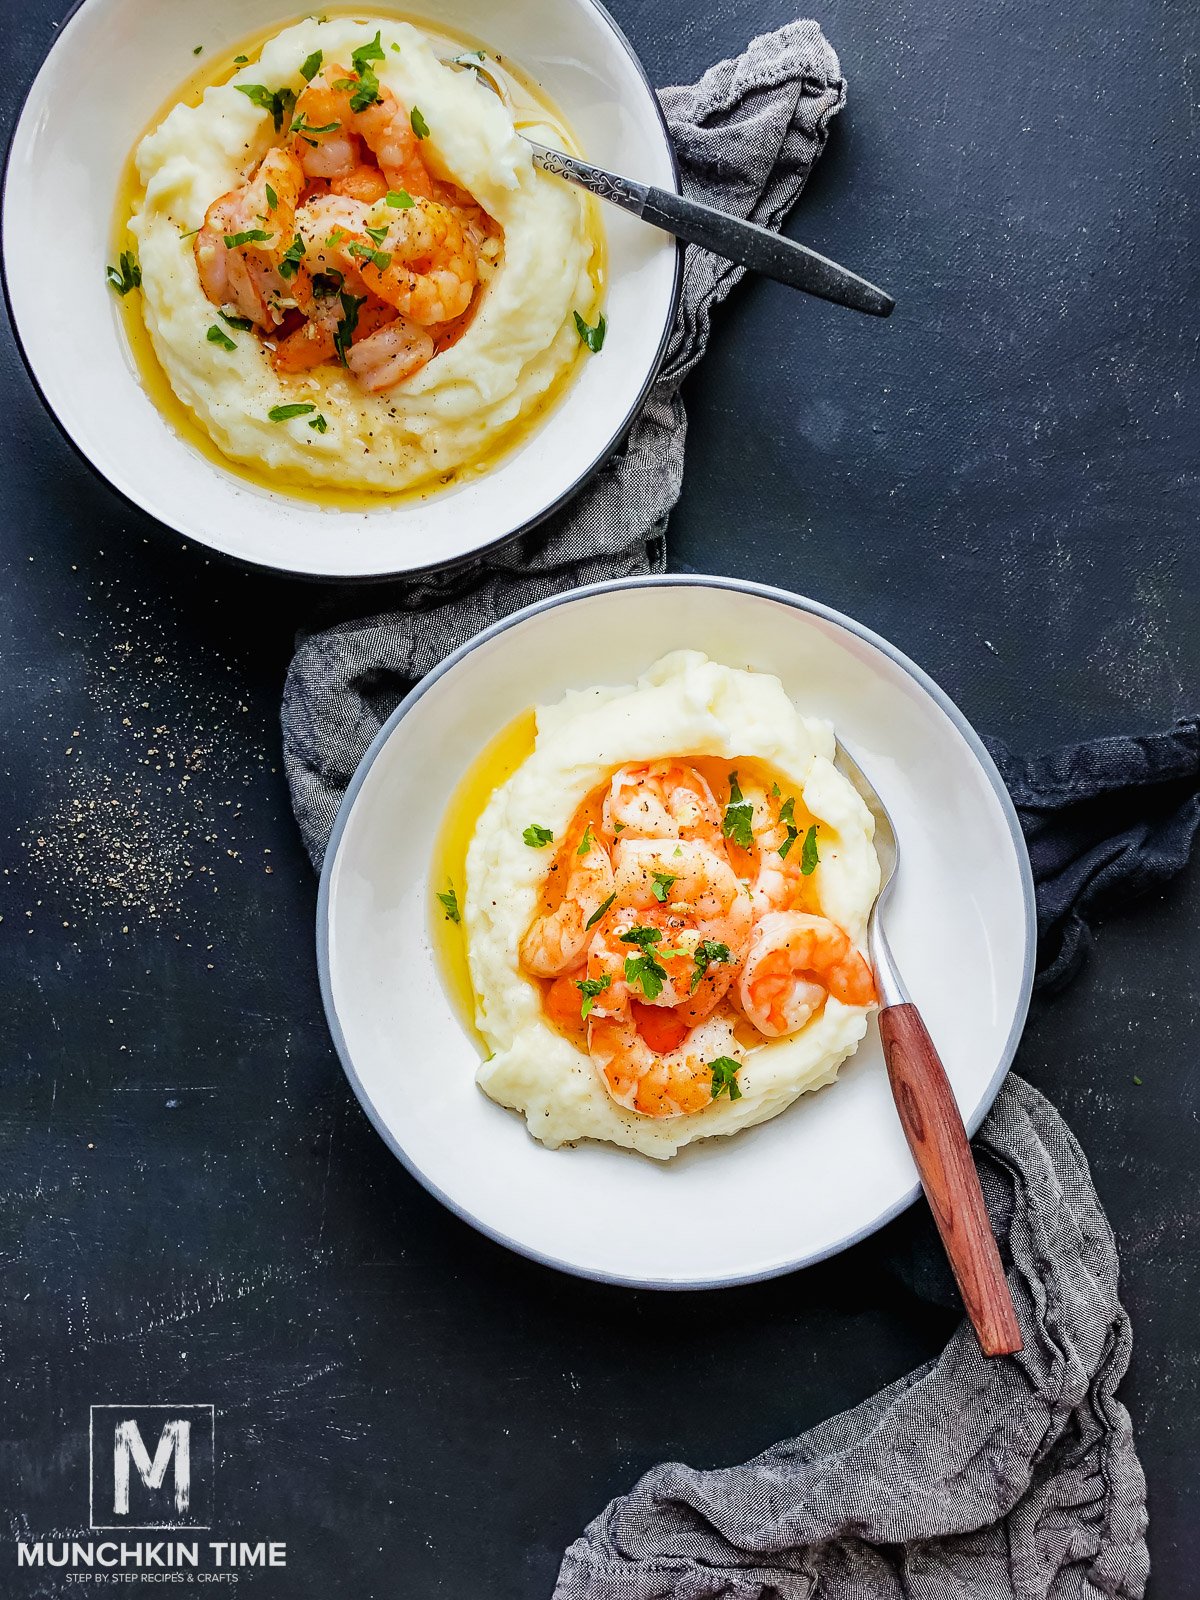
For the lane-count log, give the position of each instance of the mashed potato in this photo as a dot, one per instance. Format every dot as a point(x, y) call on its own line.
point(685, 705)
point(450, 412)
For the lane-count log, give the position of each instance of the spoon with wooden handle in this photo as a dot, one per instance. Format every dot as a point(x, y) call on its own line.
point(930, 1116)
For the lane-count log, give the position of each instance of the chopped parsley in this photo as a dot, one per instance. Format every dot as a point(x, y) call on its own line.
point(592, 337)
point(600, 912)
point(419, 126)
point(381, 260)
point(724, 1078)
point(645, 968)
point(662, 886)
point(249, 236)
point(787, 815)
point(300, 408)
point(396, 48)
point(586, 843)
point(373, 51)
point(347, 322)
point(335, 237)
point(289, 263)
point(280, 102)
point(589, 988)
point(709, 953)
point(399, 199)
point(364, 88)
point(304, 129)
point(197, 50)
point(311, 65)
point(240, 61)
point(738, 821)
point(125, 275)
point(808, 852)
point(378, 234)
point(450, 898)
point(319, 424)
point(242, 324)
point(217, 335)
point(272, 198)
point(537, 837)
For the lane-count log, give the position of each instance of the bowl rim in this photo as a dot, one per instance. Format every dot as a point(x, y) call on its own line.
point(604, 453)
point(698, 581)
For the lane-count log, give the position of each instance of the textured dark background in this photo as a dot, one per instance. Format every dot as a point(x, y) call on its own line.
point(1002, 479)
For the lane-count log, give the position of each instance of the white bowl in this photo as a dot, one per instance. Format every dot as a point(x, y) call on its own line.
point(65, 160)
point(831, 1168)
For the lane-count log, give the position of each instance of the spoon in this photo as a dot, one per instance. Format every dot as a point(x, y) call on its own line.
point(930, 1116)
point(758, 249)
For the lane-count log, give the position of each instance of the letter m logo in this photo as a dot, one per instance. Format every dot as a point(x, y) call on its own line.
point(151, 1466)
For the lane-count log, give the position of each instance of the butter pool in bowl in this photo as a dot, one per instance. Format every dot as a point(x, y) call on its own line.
point(329, 318)
point(454, 986)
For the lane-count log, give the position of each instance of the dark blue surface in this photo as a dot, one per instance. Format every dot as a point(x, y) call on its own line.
point(1001, 479)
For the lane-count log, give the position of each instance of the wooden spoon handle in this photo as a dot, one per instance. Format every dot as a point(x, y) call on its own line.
point(934, 1129)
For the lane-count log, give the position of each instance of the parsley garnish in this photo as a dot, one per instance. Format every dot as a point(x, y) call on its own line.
point(709, 953)
point(592, 337)
point(216, 336)
point(286, 413)
point(586, 843)
point(378, 234)
point(738, 822)
point(197, 50)
point(272, 198)
point(126, 275)
point(364, 90)
point(280, 103)
point(662, 886)
point(808, 852)
point(396, 48)
point(724, 1078)
point(303, 127)
point(289, 263)
point(243, 324)
point(311, 65)
point(645, 969)
point(380, 259)
point(787, 815)
point(449, 900)
point(419, 126)
point(367, 52)
point(347, 323)
point(537, 837)
point(589, 988)
point(240, 61)
point(600, 912)
point(250, 236)
point(400, 199)
point(318, 424)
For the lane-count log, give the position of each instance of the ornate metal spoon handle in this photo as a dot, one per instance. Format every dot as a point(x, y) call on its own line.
point(758, 249)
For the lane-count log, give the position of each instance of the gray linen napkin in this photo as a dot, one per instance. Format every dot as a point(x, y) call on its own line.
point(746, 136)
point(1010, 1479)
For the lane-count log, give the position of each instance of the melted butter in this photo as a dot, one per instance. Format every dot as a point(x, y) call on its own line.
point(494, 765)
point(527, 105)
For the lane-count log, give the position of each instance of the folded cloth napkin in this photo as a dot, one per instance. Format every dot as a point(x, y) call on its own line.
point(1011, 1479)
point(746, 137)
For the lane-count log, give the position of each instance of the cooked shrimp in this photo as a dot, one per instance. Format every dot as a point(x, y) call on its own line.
point(396, 350)
point(661, 800)
point(425, 266)
point(247, 275)
point(665, 872)
point(669, 1084)
point(794, 961)
point(557, 940)
point(363, 183)
point(329, 224)
point(778, 882)
point(329, 130)
point(668, 958)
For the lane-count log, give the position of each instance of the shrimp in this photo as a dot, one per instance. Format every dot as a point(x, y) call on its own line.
point(665, 872)
point(247, 275)
point(658, 1084)
point(425, 266)
point(396, 350)
point(363, 183)
point(666, 958)
point(661, 800)
point(557, 940)
point(328, 132)
point(794, 961)
point(328, 225)
point(779, 880)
